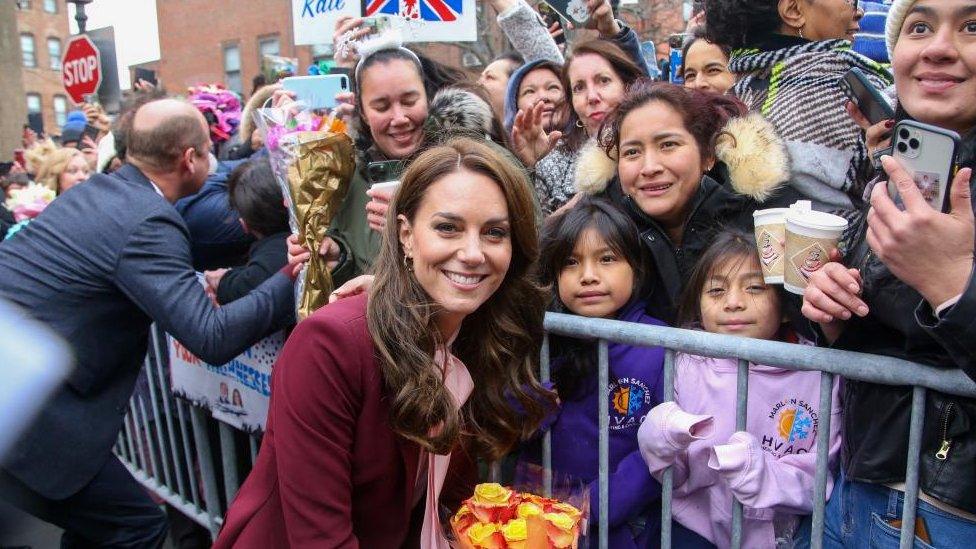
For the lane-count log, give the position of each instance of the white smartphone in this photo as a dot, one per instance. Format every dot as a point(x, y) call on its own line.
point(928, 154)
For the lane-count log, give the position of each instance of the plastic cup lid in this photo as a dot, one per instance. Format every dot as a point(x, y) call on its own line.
point(769, 212)
point(817, 220)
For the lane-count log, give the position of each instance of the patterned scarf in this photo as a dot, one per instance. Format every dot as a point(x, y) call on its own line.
point(797, 89)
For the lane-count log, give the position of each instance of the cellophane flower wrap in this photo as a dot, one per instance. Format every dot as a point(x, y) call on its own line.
point(497, 517)
point(313, 160)
point(28, 202)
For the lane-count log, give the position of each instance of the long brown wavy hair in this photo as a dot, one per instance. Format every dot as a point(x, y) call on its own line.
point(499, 343)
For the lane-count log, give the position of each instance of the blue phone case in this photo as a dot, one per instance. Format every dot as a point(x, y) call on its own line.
point(318, 92)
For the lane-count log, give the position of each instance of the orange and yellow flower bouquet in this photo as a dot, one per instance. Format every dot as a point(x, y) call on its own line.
point(496, 517)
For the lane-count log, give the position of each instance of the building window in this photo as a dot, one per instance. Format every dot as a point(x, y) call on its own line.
point(33, 103)
point(60, 110)
point(54, 53)
point(232, 67)
point(27, 50)
point(51, 6)
point(268, 46)
point(23, 4)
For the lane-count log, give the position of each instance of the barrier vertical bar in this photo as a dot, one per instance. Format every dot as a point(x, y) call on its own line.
point(823, 449)
point(128, 439)
point(741, 411)
point(228, 455)
point(187, 454)
point(134, 417)
point(604, 416)
point(154, 402)
point(205, 457)
point(667, 481)
point(911, 471)
point(545, 374)
point(167, 396)
point(150, 449)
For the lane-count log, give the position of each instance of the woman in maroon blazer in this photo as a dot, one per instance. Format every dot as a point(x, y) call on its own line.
point(380, 405)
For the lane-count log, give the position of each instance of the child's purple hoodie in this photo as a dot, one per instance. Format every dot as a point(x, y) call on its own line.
point(635, 388)
point(769, 468)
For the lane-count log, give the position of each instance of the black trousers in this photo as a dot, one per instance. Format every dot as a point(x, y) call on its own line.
point(113, 510)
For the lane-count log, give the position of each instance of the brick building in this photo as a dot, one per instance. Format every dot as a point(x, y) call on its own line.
point(202, 41)
point(42, 27)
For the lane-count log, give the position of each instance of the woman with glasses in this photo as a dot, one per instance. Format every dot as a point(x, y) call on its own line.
point(788, 56)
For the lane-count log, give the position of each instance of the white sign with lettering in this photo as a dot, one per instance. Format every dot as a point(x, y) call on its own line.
point(315, 20)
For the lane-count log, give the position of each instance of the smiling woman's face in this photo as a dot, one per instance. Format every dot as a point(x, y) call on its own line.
point(660, 164)
point(460, 244)
point(394, 105)
point(934, 63)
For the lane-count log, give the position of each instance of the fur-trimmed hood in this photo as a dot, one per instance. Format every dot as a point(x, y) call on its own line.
point(755, 155)
point(456, 111)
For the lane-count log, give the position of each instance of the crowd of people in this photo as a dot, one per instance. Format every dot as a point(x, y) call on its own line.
point(564, 179)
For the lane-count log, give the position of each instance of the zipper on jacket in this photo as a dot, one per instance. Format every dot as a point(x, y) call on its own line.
point(943, 452)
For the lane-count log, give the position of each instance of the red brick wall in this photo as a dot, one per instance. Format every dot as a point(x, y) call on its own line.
point(42, 79)
point(192, 34)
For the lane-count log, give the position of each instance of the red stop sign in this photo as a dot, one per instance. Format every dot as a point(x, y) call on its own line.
point(81, 68)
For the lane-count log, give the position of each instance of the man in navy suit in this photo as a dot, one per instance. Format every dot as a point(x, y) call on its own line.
point(105, 260)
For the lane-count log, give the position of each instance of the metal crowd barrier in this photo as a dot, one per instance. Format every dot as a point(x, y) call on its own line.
point(831, 362)
point(175, 459)
point(169, 446)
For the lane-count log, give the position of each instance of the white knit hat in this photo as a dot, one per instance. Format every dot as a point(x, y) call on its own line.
point(896, 17)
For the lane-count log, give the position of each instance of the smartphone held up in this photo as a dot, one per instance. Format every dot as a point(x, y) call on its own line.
point(928, 154)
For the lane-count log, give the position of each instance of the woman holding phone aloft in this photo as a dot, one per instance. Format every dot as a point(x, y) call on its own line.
point(906, 290)
point(381, 401)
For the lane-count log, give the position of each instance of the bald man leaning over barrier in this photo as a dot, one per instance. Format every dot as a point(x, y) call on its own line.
point(102, 262)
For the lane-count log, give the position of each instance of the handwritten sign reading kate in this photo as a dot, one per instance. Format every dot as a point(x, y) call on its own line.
point(314, 20)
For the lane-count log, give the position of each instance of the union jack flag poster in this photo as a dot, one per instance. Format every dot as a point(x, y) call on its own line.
point(429, 20)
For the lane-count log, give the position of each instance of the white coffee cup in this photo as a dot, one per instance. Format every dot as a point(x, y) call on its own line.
point(810, 236)
point(389, 186)
point(770, 227)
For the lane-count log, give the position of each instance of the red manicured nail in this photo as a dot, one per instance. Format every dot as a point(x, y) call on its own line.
point(889, 123)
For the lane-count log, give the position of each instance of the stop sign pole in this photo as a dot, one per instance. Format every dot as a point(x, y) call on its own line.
point(81, 68)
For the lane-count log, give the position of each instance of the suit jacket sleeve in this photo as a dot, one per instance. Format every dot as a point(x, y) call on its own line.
point(154, 270)
point(317, 394)
point(267, 258)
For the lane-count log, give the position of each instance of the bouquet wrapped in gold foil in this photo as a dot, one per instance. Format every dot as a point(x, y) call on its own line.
point(313, 160)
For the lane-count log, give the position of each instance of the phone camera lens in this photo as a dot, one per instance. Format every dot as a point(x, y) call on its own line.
point(902, 148)
point(913, 143)
point(903, 133)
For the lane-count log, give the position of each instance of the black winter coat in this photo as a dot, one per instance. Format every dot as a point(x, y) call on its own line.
point(715, 207)
point(901, 324)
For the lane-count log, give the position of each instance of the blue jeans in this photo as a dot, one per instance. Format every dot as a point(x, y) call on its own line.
point(858, 515)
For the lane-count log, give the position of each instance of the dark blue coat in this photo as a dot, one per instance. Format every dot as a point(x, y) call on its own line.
point(101, 263)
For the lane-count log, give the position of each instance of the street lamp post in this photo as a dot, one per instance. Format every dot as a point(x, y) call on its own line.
point(80, 16)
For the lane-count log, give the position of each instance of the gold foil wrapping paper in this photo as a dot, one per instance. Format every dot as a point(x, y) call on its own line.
point(321, 167)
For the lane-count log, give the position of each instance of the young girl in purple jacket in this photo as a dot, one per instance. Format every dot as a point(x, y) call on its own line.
point(592, 257)
point(770, 466)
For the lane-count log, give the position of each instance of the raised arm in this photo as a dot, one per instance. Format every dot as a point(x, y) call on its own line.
point(154, 270)
point(525, 31)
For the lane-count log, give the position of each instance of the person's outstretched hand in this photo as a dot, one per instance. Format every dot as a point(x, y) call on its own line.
point(530, 142)
point(929, 250)
point(601, 18)
point(833, 296)
point(353, 287)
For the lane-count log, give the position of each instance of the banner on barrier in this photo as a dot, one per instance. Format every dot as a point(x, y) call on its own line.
point(236, 393)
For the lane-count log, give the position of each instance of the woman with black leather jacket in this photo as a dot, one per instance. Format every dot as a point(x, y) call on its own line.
point(653, 163)
point(907, 291)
